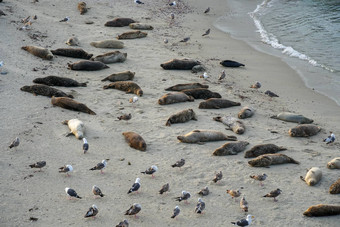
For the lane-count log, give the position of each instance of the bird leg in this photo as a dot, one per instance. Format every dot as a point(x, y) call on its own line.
point(101, 171)
point(153, 176)
point(136, 216)
point(275, 200)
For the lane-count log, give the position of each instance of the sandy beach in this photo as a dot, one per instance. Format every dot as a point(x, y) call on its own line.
point(26, 193)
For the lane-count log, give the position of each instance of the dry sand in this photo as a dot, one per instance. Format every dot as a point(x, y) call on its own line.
point(38, 124)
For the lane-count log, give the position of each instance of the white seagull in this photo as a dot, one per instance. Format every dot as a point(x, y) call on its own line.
point(135, 186)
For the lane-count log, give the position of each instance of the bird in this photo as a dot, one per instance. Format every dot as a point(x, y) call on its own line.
point(125, 117)
point(330, 139)
point(164, 188)
point(200, 206)
point(179, 163)
point(260, 178)
point(244, 222)
point(204, 191)
point(123, 223)
point(176, 212)
point(1, 63)
point(256, 85)
point(222, 76)
point(66, 169)
point(65, 19)
point(274, 194)
point(234, 193)
point(244, 204)
point(134, 210)
point(207, 32)
point(38, 165)
point(101, 165)
point(85, 146)
point(72, 193)
point(218, 177)
point(186, 39)
point(35, 17)
point(2, 13)
point(172, 16)
point(172, 3)
point(165, 41)
point(204, 76)
point(92, 212)
point(96, 191)
point(271, 94)
point(151, 170)
point(25, 20)
point(139, 2)
point(134, 99)
point(185, 196)
point(15, 143)
point(207, 10)
point(135, 186)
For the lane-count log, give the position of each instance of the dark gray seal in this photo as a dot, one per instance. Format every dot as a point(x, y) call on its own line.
point(230, 63)
point(44, 90)
point(87, 65)
point(58, 81)
point(181, 117)
point(179, 64)
point(201, 93)
point(217, 103)
point(231, 148)
point(72, 53)
point(263, 149)
point(181, 87)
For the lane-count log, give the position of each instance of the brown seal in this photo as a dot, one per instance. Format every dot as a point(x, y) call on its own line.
point(304, 130)
point(181, 117)
point(121, 76)
point(335, 187)
point(109, 43)
point(313, 176)
point(232, 123)
point(201, 93)
point(39, 52)
point(87, 65)
point(70, 104)
point(135, 141)
point(180, 64)
point(181, 87)
point(322, 210)
point(201, 136)
point(44, 90)
point(174, 97)
point(140, 26)
point(58, 81)
point(127, 86)
point(271, 159)
point(263, 149)
point(292, 117)
point(119, 22)
point(82, 8)
point(217, 103)
point(132, 35)
point(72, 53)
point(231, 148)
point(111, 57)
point(334, 163)
point(246, 112)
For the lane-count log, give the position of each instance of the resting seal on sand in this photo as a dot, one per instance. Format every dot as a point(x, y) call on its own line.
point(263, 149)
point(39, 52)
point(232, 123)
point(82, 8)
point(180, 64)
point(72, 53)
point(44, 90)
point(304, 130)
point(181, 117)
point(140, 26)
point(127, 86)
point(271, 159)
point(76, 126)
point(132, 35)
point(230, 63)
point(109, 43)
point(313, 176)
point(217, 103)
point(322, 210)
point(334, 163)
point(174, 97)
point(201, 93)
point(231, 148)
point(68, 103)
point(335, 187)
point(135, 141)
point(119, 22)
point(181, 87)
point(121, 76)
point(291, 117)
point(201, 136)
point(111, 57)
point(87, 65)
point(246, 112)
point(58, 81)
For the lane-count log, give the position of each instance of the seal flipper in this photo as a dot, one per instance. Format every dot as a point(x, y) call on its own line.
point(69, 134)
point(274, 117)
point(302, 178)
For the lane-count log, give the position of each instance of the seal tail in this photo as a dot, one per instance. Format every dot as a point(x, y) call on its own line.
point(89, 111)
point(24, 47)
point(105, 79)
point(294, 161)
point(301, 177)
point(274, 117)
point(83, 84)
point(282, 148)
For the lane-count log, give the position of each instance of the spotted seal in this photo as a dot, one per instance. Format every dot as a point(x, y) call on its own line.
point(231, 148)
point(39, 52)
point(181, 117)
point(304, 130)
point(174, 97)
point(58, 81)
point(263, 149)
point(217, 103)
point(72, 53)
point(313, 176)
point(232, 123)
point(87, 65)
point(291, 117)
point(201, 93)
point(68, 103)
point(127, 86)
point(181, 87)
point(120, 76)
point(135, 141)
point(180, 64)
point(271, 159)
point(44, 90)
point(201, 136)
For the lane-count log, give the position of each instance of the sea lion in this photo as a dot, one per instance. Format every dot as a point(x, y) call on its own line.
point(180, 64)
point(322, 210)
point(68, 103)
point(304, 130)
point(313, 176)
point(246, 112)
point(271, 159)
point(73, 41)
point(72, 53)
point(132, 35)
point(140, 26)
point(135, 141)
point(231, 148)
point(291, 117)
point(111, 57)
point(201, 136)
point(119, 22)
point(217, 103)
point(44, 90)
point(76, 126)
point(87, 65)
point(181, 87)
point(58, 81)
point(232, 123)
point(109, 43)
point(39, 52)
point(334, 163)
point(127, 86)
point(174, 97)
point(230, 63)
point(181, 117)
point(82, 8)
point(335, 187)
point(263, 149)
point(201, 93)
point(120, 76)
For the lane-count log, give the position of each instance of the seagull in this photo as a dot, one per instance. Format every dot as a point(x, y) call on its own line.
point(207, 32)
point(151, 170)
point(139, 2)
point(256, 85)
point(172, 15)
point(101, 165)
point(260, 178)
point(97, 191)
point(330, 139)
point(1, 63)
point(176, 212)
point(85, 146)
point(38, 165)
point(244, 204)
point(185, 196)
point(200, 206)
point(134, 99)
point(164, 188)
point(134, 209)
point(234, 193)
point(207, 10)
point(172, 3)
point(165, 41)
point(274, 194)
point(204, 191)
point(204, 76)
point(92, 212)
point(66, 169)
point(16, 141)
point(72, 193)
point(218, 177)
point(25, 20)
point(222, 76)
point(271, 94)
point(244, 222)
point(135, 186)
point(65, 19)
point(179, 163)
point(186, 39)
point(124, 223)
point(125, 117)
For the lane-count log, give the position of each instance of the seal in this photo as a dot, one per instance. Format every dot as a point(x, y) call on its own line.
point(291, 117)
point(82, 8)
point(313, 176)
point(73, 41)
point(231, 148)
point(230, 63)
point(174, 97)
point(135, 141)
point(335, 187)
point(232, 123)
point(246, 112)
point(322, 210)
point(140, 26)
point(72, 53)
point(334, 163)
point(120, 76)
point(180, 64)
point(198, 68)
point(44, 90)
point(76, 126)
point(305, 130)
point(39, 52)
point(58, 81)
point(181, 87)
point(108, 43)
point(127, 86)
point(201, 93)
point(201, 136)
point(271, 159)
point(119, 22)
point(263, 149)
point(111, 57)
point(132, 35)
point(70, 104)
point(87, 65)
point(217, 103)
point(181, 117)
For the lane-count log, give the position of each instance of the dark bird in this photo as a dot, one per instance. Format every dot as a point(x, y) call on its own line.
point(92, 212)
point(330, 139)
point(218, 176)
point(200, 206)
point(134, 209)
point(257, 85)
point(65, 19)
point(100, 166)
point(207, 32)
point(151, 170)
point(15, 143)
point(244, 222)
point(271, 94)
point(274, 194)
point(172, 3)
point(260, 178)
point(186, 39)
point(135, 186)
point(139, 2)
point(185, 196)
point(125, 117)
point(179, 163)
point(176, 212)
point(207, 10)
point(66, 169)
point(72, 193)
point(38, 165)
point(164, 188)
point(222, 76)
point(96, 191)
point(204, 191)
point(124, 223)
point(230, 63)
